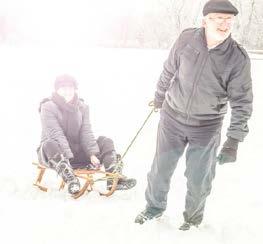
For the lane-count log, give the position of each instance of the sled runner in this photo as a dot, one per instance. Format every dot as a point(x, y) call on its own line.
point(88, 176)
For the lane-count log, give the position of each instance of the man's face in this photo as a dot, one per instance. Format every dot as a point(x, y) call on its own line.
point(218, 25)
point(67, 92)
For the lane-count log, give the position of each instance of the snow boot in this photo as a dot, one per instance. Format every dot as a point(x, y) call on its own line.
point(64, 169)
point(148, 214)
point(123, 184)
point(113, 163)
point(187, 226)
point(115, 167)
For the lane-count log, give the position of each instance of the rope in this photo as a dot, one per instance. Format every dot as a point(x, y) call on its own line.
point(138, 132)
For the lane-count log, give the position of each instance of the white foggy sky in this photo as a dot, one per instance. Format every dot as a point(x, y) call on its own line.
point(56, 21)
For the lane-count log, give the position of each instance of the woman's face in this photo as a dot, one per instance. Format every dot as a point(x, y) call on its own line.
point(67, 92)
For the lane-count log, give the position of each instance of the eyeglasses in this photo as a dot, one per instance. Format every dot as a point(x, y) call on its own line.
point(220, 20)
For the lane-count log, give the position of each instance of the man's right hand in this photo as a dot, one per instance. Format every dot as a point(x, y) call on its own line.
point(156, 105)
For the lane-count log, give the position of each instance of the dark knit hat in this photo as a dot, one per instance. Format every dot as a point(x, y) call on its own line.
point(65, 80)
point(219, 6)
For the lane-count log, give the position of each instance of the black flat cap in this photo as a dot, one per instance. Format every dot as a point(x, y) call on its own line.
point(219, 6)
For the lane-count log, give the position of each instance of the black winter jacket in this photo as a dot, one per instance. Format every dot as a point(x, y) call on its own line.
point(197, 83)
point(69, 125)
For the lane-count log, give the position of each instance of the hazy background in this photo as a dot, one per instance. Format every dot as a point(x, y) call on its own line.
point(116, 23)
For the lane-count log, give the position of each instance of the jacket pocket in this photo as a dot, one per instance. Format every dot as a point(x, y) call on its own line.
point(189, 54)
point(221, 104)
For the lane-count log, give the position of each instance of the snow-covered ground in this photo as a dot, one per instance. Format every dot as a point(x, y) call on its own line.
point(118, 84)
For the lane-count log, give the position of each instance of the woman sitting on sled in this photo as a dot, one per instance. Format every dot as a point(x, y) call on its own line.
point(67, 140)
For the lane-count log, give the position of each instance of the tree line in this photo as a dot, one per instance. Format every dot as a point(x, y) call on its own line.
point(159, 27)
point(156, 26)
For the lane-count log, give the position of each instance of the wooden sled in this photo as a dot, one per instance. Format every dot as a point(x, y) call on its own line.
point(89, 177)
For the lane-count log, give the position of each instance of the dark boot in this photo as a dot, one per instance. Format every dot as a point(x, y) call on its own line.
point(64, 169)
point(123, 184)
point(112, 162)
point(148, 214)
point(187, 226)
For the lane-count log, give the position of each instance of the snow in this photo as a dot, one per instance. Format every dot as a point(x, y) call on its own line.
point(118, 84)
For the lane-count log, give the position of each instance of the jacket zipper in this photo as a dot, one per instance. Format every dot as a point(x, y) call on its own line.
point(194, 87)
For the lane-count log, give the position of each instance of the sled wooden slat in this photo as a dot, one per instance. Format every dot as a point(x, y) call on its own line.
point(39, 177)
point(112, 190)
point(84, 174)
point(62, 185)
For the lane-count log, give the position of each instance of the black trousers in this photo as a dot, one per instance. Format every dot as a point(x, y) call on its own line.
point(107, 155)
point(201, 143)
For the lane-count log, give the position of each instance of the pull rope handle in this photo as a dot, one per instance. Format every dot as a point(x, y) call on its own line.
point(151, 104)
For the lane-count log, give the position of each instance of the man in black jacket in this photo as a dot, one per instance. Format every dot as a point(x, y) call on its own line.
point(205, 69)
point(67, 140)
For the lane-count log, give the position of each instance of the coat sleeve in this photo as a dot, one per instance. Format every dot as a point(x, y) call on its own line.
point(241, 97)
point(87, 137)
point(169, 68)
point(53, 130)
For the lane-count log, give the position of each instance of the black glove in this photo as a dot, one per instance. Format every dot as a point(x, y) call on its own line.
point(228, 153)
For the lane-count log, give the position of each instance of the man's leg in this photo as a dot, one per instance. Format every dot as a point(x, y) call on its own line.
point(200, 171)
point(170, 147)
